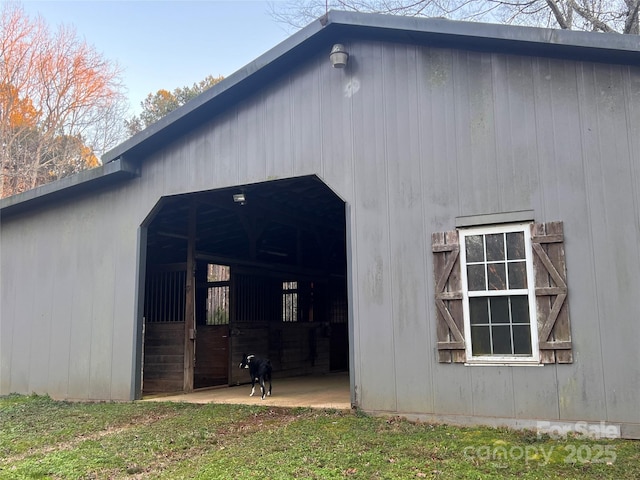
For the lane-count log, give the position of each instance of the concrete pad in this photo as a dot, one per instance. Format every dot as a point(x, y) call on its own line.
point(324, 391)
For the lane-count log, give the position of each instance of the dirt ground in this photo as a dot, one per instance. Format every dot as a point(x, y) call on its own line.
point(325, 391)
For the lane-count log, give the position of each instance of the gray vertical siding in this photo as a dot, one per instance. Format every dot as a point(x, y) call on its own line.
point(67, 290)
point(408, 302)
point(489, 133)
point(410, 137)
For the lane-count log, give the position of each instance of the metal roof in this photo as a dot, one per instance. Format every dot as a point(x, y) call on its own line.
point(337, 26)
point(87, 181)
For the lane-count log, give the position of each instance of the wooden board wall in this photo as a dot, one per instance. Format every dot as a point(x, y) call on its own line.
point(212, 356)
point(299, 348)
point(293, 348)
point(163, 365)
point(339, 348)
point(249, 338)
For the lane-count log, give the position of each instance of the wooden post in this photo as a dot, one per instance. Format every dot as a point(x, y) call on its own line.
point(189, 316)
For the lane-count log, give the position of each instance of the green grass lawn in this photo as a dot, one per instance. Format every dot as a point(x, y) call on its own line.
point(42, 438)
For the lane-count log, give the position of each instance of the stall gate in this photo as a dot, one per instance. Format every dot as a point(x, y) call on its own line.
point(299, 324)
point(164, 332)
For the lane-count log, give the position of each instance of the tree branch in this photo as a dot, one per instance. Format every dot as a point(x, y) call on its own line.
point(632, 23)
point(557, 13)
point(590, 17)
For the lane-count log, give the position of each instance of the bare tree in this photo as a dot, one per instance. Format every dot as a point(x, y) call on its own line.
point(61, 103)
point(620, 16)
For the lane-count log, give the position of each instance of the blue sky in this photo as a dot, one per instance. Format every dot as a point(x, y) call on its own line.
point(168, 43)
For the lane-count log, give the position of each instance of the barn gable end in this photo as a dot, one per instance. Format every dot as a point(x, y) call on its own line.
point(350, 178)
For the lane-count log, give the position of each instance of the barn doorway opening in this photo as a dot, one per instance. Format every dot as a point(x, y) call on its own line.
point(258, 268)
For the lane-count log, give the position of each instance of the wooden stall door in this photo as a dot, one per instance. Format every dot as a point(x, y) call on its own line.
point(212, 326)
point(212, 356)
point(163, 363)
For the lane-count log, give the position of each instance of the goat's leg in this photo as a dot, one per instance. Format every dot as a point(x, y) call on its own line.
point(262, 389)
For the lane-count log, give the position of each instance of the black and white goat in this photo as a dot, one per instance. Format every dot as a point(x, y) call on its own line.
point(260, 371)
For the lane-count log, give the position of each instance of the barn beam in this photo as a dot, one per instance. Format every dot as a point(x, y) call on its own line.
point(286, 217)
point(190, 303)
point(261, 207)
point(274, 267)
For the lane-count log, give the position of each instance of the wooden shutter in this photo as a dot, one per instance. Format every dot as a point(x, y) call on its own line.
point(554, 333)
point(448, 297)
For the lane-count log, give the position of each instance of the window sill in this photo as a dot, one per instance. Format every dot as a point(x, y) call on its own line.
point(504, 364)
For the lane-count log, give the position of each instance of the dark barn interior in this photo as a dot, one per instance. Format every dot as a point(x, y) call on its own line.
point(269, 277)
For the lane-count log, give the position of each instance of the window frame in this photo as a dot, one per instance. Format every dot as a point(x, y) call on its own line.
point(530, 292)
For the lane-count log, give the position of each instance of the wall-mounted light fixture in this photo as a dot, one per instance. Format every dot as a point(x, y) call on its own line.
point(239, 198)
point(338, 56)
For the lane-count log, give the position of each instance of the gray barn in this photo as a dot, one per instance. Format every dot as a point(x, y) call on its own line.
point(453, 218)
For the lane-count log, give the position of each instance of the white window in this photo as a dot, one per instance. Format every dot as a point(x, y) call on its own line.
point(498, 294)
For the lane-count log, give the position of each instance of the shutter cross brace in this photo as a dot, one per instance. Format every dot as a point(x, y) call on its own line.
point(441, 295)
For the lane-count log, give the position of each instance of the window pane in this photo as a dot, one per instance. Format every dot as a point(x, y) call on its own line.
point(497, 276)
point(474, 248)
point(515, 246)
point(480, 340)
point(517, 275)
point(217, 273)
point(521, 340)
point(475, 277)
point(495, 247)
point(218, 305)
point(520, 309)
point(501, 339)
point(479, 311)
point(496, 265)
point(499, 310)
point(289, 301)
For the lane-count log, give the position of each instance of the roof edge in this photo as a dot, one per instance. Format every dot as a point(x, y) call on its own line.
point(85, 180)
point(604, 47)
point(218, 89)
point(122, 160)
point(548, 37)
